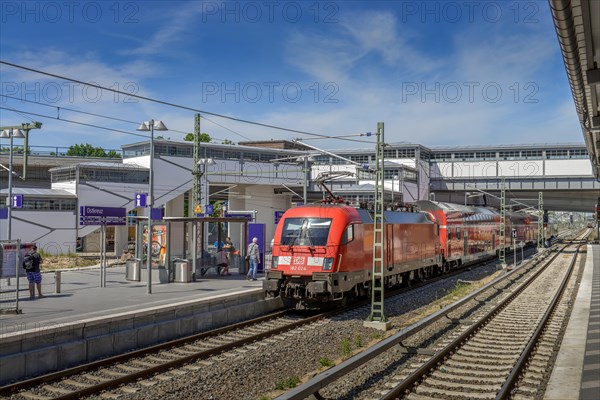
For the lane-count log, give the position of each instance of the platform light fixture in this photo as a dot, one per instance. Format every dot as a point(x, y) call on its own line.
point(151, 126)
point(10, 133)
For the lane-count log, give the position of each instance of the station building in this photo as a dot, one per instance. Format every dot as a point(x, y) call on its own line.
point(261, 180)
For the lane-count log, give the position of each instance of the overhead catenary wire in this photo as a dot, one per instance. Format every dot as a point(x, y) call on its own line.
point(150, 99)
point(74, 122)
point(59, 108)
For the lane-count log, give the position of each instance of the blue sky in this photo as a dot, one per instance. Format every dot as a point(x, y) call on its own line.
point(437, 73)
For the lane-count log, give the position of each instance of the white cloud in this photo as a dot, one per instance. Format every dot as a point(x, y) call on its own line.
point(172, 28)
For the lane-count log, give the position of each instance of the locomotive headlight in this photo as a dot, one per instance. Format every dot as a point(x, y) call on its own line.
point(274, 262)
point(327, 264)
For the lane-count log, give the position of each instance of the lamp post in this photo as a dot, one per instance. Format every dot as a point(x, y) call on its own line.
point(150, 126)
point(10, 133)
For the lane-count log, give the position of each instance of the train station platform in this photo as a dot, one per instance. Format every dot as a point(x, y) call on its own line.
point(85, 322)
point(576, 373)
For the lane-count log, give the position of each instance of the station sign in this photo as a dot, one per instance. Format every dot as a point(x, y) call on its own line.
point(247, 216)
point(141, 199)
point(95, 215)
point(17, 201)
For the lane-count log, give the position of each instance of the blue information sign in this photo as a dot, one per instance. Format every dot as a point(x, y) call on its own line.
point(140, 199)
point(17, 201)
point(156, 213)
point(94, 215)
point(3, 213)
point(209, 209)
point(278, 215)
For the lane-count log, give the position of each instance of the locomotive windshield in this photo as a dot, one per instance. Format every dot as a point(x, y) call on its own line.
point(305, 231)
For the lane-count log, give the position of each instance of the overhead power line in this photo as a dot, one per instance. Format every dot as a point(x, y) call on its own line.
point(168, 103)
point(59, 108)
point(74, 122)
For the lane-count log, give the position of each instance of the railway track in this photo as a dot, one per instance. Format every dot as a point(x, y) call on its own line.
point(112, 372)
point(486, 360)
point(484, 356)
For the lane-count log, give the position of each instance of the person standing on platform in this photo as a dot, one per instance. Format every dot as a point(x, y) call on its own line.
point(253, 256)
point(229, 249)
point(34, 274)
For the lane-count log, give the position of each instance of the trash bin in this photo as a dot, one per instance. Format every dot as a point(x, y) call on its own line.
point(183, 271)
point(133, 270)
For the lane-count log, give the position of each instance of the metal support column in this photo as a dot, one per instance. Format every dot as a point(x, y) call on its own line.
point(196, 170)
point(540, 233)
point(502, 233)
point(377, 318)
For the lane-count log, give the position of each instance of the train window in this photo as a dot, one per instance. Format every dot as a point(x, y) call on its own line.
point(305, 231)
point(348, 234)
point(458, 233)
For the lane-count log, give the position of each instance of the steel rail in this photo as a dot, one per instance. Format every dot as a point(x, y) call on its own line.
point(55, 376)
point(513, 377)
point(424, 369)
point(184, 360)
point(320, 381)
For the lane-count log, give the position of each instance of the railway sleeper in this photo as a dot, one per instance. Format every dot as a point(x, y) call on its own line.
point(457, 377)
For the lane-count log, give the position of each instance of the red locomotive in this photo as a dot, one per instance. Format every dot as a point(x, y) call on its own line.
point(324, 253)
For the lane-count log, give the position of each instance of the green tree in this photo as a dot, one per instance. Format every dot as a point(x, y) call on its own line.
point(227, 141)
point(87, 150)
point(204, 138)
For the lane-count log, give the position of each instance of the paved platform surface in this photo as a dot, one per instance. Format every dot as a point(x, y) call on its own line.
point(82, 297)
point(590, 378)
point(576, 374)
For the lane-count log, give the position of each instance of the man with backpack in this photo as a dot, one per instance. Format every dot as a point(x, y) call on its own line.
point(31, 263)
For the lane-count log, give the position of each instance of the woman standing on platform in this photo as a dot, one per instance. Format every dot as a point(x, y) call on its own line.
point(229, 249)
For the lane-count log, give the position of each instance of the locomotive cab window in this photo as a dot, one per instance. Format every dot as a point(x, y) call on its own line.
point(348, 234)
point(305, 231)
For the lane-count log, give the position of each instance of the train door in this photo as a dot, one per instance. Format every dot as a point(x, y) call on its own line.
point(493, 241)
point(465, 243)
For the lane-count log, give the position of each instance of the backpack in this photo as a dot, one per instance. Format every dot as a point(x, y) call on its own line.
point(28, 262)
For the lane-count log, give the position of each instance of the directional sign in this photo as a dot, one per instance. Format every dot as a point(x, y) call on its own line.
point(140, 199)
point(95, 215)
point(17, 201)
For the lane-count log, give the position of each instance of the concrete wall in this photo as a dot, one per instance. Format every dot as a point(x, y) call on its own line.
point(53, 231)
point(39, 351)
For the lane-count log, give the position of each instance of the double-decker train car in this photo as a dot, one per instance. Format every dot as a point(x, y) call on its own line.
point(469, 234)
point(323, 253)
